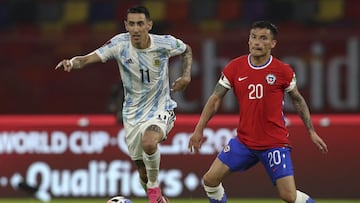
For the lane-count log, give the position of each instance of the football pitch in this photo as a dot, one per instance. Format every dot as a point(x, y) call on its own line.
point(176, 200)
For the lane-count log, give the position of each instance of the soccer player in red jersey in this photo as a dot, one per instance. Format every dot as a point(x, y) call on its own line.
point(259, 82)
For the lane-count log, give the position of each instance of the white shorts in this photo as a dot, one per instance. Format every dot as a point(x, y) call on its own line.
point(134, 133)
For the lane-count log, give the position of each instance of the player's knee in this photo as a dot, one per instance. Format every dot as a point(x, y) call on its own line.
point(148, 146)
point(149, 142)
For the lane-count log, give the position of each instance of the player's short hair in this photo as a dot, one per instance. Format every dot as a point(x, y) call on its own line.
point(267, 25)
point(139, 9)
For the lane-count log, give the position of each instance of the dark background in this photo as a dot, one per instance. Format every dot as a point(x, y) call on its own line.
point(319, 38)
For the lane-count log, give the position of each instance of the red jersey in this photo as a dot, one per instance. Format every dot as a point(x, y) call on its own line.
point(260, 94)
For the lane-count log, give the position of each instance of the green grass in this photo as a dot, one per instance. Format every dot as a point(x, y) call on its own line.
point(98, 200)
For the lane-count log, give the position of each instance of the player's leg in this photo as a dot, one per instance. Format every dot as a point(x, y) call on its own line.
point(286, 188)
point(151, 156)
point(133, 141)
point(212, 181)
point(278, 165)
point(155, 131)
point(288, 193)
point(140, 166)
point(234, 157)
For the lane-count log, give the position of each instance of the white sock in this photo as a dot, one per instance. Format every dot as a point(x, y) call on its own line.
point(152, 164)
point(301, 197)
point(216, 193)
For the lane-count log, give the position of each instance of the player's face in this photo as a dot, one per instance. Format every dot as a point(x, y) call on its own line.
point(138, 27)
point(261, 42)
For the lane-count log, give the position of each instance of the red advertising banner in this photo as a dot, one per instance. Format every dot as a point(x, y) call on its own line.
point(86, 156)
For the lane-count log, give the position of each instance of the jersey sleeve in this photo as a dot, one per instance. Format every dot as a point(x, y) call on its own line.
point(107, 51)
point(290, 78)
point(292, 83)
point(177, 46)
point(227, 76)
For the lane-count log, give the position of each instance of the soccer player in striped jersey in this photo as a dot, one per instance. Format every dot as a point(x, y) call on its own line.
point(259, 82)
point(148, 109)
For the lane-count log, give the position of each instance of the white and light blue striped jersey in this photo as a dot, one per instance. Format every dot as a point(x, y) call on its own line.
point(144, 73)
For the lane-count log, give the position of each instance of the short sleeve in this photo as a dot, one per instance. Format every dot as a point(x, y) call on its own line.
point(292, 84)
point(177, 46)
point(109, 49)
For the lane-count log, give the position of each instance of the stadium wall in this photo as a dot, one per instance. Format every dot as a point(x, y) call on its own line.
point(86, 156)
point(326, 62)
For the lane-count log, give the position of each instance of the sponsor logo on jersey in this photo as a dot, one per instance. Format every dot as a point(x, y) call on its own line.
point(129, 61)
point(242, 78)
point(270, 79)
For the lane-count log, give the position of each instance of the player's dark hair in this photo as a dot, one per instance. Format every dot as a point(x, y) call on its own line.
point(139, 9)
point(267, 25)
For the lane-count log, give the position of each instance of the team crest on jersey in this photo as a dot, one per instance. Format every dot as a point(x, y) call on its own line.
point(270, 79)
point(157, 62)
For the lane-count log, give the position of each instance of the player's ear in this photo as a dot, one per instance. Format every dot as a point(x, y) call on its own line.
point(126, 25)
point(273, 43)
point(150, 24)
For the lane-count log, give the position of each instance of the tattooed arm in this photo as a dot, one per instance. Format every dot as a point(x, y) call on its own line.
point(301, 108)
point(304, 113)
point(184, 80)
point(210, 108)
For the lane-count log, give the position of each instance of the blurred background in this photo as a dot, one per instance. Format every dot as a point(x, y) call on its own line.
point(50, 118)
point(319, 38)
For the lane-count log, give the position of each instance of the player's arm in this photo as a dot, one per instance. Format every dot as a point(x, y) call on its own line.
point(303, 110)
point(182, 82)
point(78, 62)
point(209, 110)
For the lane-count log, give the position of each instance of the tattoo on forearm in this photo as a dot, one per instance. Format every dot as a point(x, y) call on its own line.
point(219, 90)
point(187, 60)
point(303, 111)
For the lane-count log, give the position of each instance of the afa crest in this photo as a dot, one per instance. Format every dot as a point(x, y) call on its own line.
point(157, 62)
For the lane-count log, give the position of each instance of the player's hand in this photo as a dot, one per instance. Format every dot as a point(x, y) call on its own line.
point(319, 142)
point(195, 142)
point(180, 84)
point(66, 63)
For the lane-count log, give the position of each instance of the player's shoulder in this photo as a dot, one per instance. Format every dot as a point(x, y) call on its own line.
point(163, 40)
point(282, 66)
point(121, 38)
point(162, 37)
point(280, 63)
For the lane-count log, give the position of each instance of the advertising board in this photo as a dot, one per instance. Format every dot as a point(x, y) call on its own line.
point(86, 156)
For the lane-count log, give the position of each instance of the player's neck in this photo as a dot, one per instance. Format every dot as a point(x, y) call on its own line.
point(259, 60)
